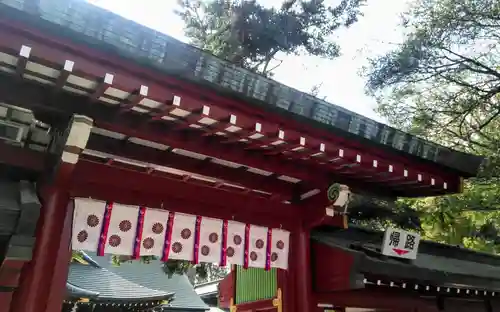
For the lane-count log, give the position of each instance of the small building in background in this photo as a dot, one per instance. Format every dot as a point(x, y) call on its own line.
point(99, 285)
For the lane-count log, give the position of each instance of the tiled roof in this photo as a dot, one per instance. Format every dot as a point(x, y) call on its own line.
point(111, 286)
point(78, 292)
point(152, 276)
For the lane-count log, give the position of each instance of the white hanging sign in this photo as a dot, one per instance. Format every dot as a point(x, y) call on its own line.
point(113, 228)
point(400, 244)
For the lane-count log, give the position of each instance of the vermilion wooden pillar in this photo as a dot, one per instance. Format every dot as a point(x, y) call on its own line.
point(301, 270)
point(57, 290)
point(42, 282)
point(314, 214)
point(36, 277)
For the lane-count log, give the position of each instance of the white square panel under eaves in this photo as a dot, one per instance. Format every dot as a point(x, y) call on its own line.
point(158, 146)
point(289, 179)
point(110, 134)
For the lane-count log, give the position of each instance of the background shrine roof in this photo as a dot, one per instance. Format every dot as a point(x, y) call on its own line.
point(82, 22)
point(109, 286)
point(78, 292)
point(436, 263)
point(151, 276)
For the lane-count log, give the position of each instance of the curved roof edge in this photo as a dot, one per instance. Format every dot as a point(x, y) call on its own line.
point(78, 292)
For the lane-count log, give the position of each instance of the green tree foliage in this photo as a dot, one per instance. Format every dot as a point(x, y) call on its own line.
point(443, 79)
point(379, 213)
point(443, 83)
point(250, 35)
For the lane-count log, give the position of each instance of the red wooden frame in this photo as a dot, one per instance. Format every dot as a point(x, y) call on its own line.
point(16, 156)
point(134, 187)
point(376, 299)
point(282, 190)
point(311, 154)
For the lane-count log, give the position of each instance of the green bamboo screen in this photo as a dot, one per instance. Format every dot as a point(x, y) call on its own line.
point(255, 284)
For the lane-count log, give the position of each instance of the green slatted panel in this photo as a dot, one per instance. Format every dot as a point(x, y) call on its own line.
point(255, 284)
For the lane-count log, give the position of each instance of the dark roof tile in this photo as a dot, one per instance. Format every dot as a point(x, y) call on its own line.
point(111, 286)
point(152, 276)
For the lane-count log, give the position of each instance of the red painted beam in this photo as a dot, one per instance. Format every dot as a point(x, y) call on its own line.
point(21, 157)
point(282, 189)
point(377, 299)
point(261, 305)
point(134, 125)
point(131, 187)
point(329, 277)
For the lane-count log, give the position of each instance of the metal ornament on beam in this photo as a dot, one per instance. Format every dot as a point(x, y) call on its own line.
point(339, 196)
point(334, 213)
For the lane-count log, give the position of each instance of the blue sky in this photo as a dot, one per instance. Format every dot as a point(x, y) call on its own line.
point(374, 34)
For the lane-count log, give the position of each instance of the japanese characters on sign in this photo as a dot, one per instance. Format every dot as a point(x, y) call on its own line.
point(401, 244)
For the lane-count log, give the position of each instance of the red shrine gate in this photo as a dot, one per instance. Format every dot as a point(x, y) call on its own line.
point(109, 117)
